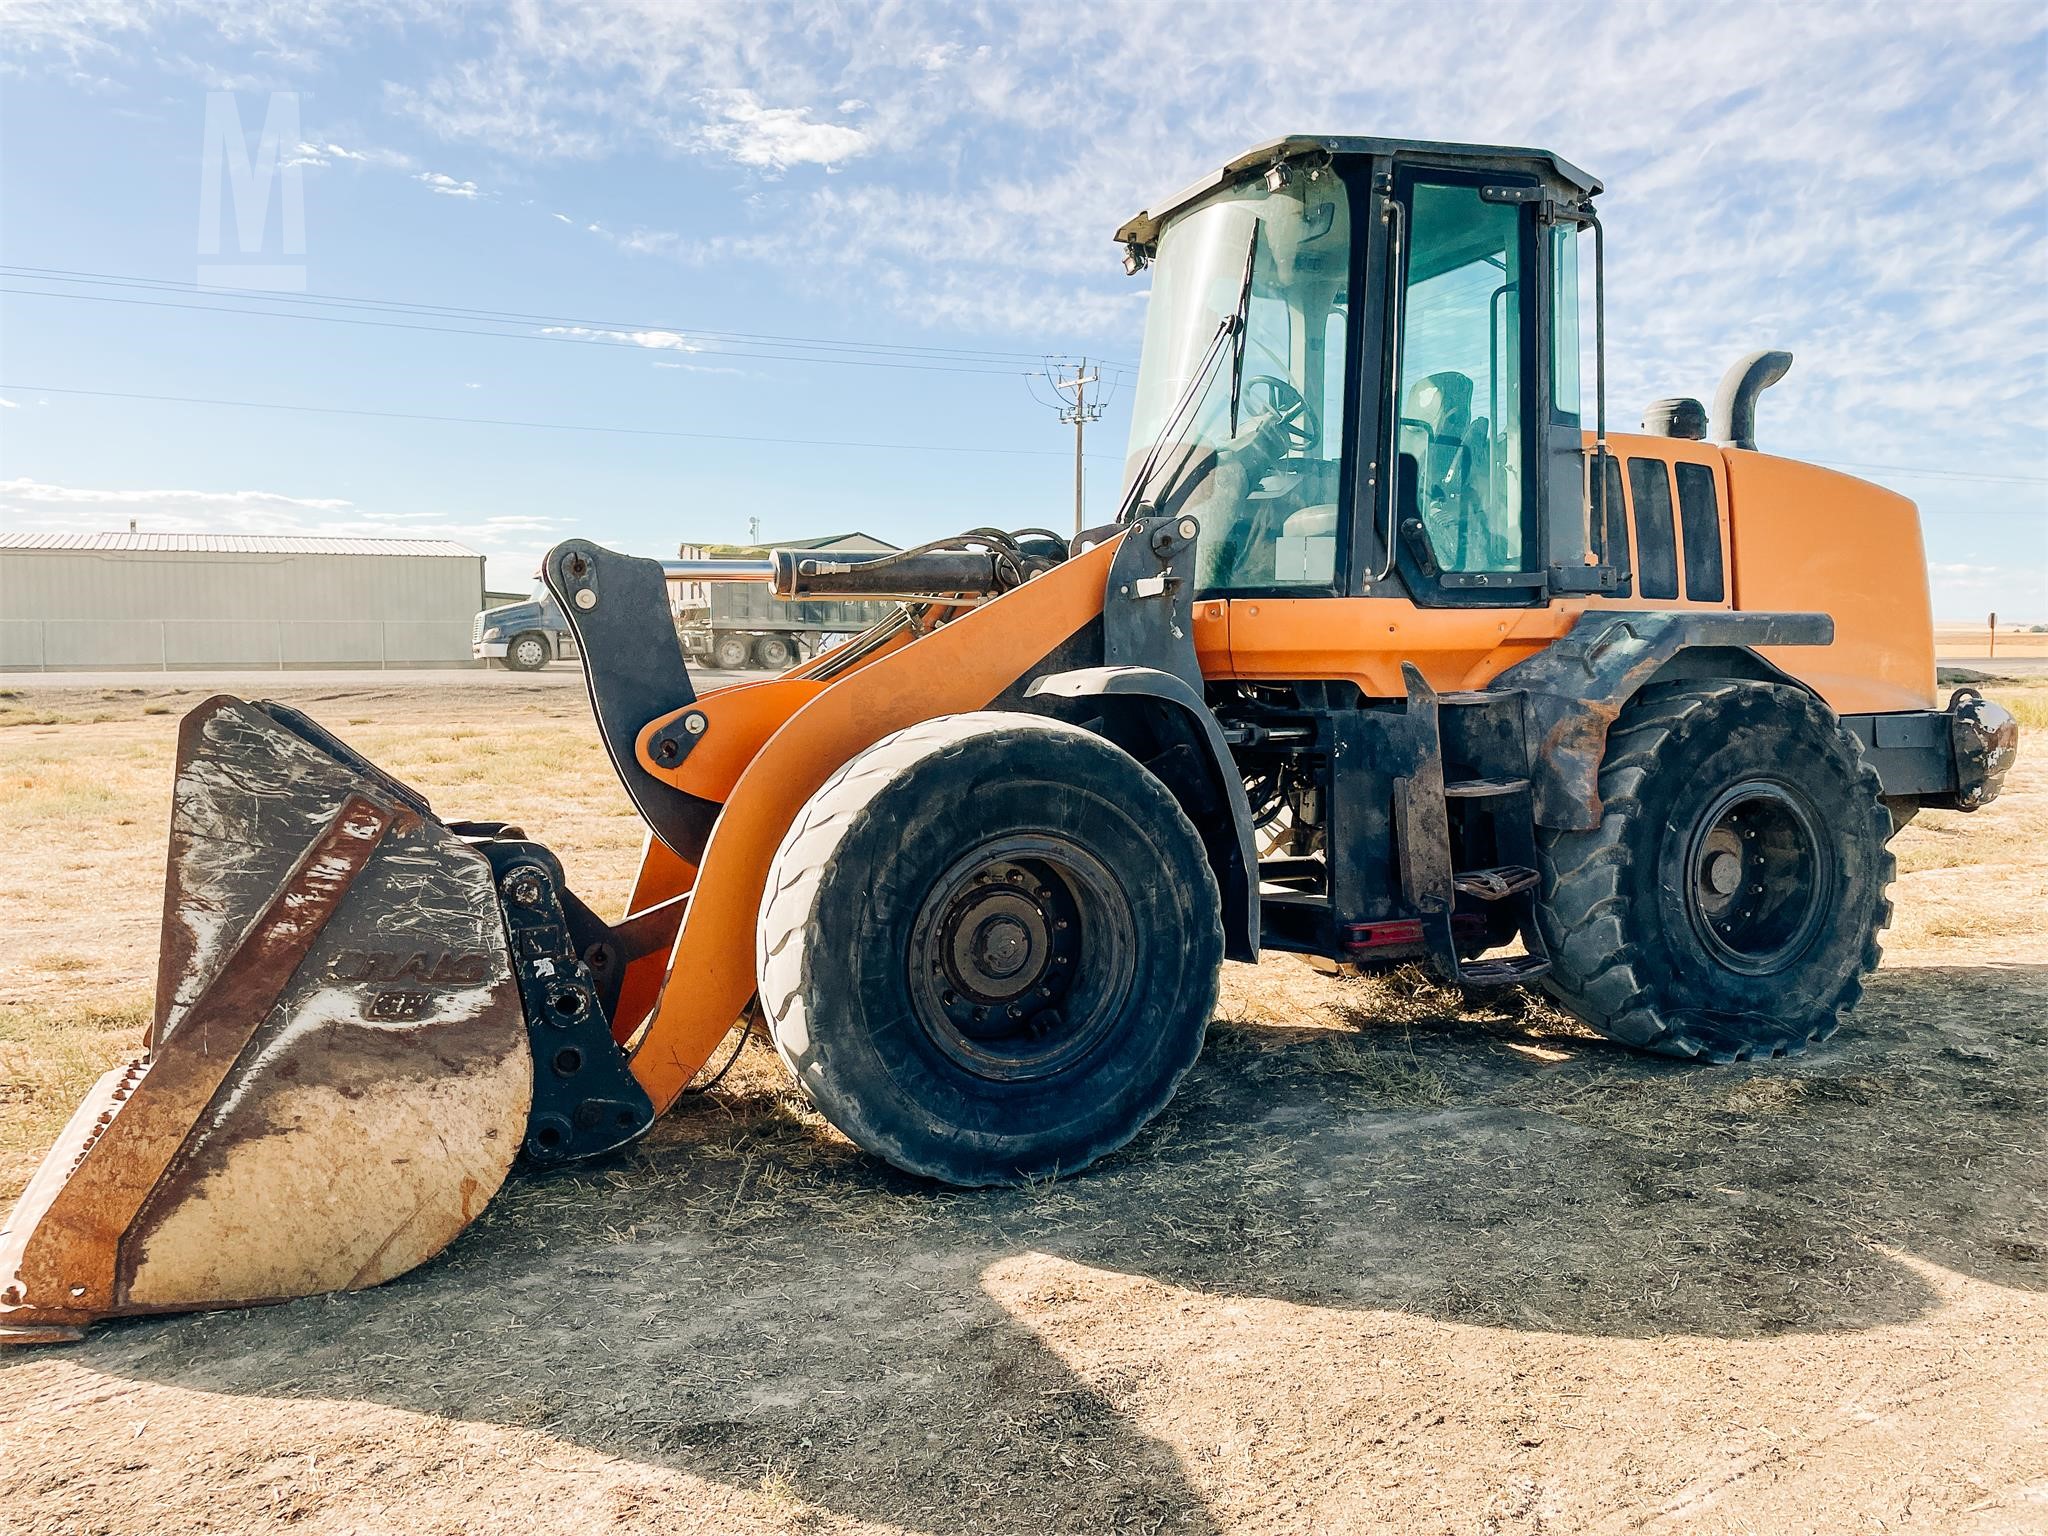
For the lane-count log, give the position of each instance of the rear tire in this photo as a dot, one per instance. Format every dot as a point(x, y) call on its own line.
point(729, 653)
point(774, 652)
point(990, 948)
point(1730, 901)
point(529, 652)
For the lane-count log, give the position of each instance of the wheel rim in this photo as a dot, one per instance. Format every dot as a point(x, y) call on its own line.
point(1756, 877)
point(529, 653)
point(1021, 957)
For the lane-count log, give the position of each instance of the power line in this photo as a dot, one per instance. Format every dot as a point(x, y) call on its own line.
point(1078, 412)
point(727, 343)
point(540, 426)
point(1933, 474)
point(576, 341)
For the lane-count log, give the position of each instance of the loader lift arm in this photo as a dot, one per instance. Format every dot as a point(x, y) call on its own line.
point(1109, 624)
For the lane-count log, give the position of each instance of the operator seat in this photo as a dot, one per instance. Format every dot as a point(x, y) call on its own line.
point(1439, 407)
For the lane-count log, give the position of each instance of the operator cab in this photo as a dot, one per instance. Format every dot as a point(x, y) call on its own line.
point(1287, 291)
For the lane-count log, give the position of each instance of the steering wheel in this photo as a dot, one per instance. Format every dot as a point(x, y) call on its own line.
point(1283, 402)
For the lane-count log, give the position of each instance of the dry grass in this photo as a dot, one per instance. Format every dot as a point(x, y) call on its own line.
point(50, 1053)
point(2026, 698)
point(1393, 1259)
point(1975, 640)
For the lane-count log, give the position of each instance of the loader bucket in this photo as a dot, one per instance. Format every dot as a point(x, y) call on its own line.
point(338, 1074)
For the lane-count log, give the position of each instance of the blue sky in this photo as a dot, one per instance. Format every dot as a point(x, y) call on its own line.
point(862, 224)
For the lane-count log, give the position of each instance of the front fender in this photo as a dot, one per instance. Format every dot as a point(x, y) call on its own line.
point(1214, 800)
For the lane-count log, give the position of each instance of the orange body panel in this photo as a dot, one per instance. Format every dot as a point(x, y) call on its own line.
point(1794, 539)
point(1672, 450)
point(963, 665)
point(1813, 540)
point(1365, 639)
point(740, 719)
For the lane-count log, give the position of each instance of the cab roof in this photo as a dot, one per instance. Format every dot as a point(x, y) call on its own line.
point(1143, 227)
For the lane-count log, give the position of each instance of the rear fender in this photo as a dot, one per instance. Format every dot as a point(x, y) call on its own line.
point(1578, 685)
point(1166, 725)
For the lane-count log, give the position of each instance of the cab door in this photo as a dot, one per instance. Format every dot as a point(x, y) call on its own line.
point(1455, 391)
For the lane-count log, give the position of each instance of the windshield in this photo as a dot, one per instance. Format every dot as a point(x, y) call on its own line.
point(1264, 485)
point(1197, 279)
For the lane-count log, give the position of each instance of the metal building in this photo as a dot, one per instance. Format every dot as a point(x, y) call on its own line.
point(122, 601)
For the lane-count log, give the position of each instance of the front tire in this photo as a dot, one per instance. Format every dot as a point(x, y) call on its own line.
point(529, 652)
point(1730, 901)
point(990, 948)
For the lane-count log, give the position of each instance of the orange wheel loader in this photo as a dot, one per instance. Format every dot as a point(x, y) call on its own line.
point(1387, 657)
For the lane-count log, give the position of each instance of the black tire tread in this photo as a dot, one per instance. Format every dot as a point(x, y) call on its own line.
point(837, 812)
point(1593, 966)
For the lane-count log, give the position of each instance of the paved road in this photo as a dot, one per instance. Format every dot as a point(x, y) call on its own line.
point(2000, 666)
point(566, 674)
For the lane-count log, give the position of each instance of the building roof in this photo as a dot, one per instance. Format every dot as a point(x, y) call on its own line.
point(828, 541)
point(232, 544)
point(851, 543)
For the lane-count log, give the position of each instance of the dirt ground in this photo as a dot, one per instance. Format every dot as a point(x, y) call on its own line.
point(1391, 1262)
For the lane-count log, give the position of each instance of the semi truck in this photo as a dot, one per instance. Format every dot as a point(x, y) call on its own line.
point(526, 635)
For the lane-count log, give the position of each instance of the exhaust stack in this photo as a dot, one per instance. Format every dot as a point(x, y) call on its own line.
point(1734, 418)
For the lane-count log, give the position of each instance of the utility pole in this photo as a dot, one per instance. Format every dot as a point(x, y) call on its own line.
point(1080, 410)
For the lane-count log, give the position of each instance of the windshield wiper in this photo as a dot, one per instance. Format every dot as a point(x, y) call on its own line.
point(1243, 316)
point(1197, 386)
point(1231, 328)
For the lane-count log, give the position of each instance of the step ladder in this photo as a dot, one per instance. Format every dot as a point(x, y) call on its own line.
point(1424, 804)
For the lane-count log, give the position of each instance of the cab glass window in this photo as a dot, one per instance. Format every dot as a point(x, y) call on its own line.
point(1564, 328)
point(1461, 378)
point(1238, 416)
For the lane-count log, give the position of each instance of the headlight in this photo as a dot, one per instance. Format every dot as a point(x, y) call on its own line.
point(493, 634)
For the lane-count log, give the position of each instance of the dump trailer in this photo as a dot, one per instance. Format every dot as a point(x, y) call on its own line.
point(745, 625)
point(1390, 655)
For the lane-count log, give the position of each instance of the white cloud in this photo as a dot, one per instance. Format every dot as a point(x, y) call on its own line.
point(9, 405)
point(1967, 590)
point(312, 155)
point(446, 186)
point(775, 138)
point(512, 542)
point(738, 373)
point(563, 217)
point(37, 506)
point(1770, 164)
point(660, 341)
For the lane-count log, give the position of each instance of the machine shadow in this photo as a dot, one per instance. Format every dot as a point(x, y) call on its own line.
point(745, 1297)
